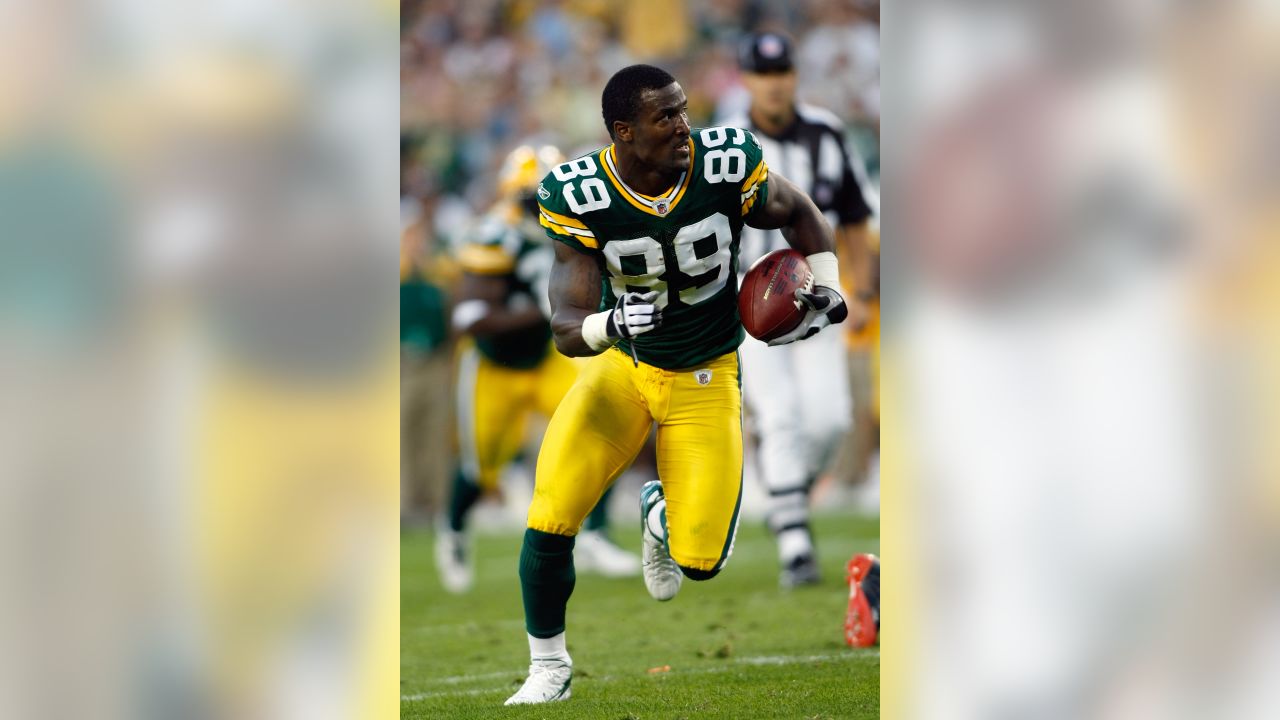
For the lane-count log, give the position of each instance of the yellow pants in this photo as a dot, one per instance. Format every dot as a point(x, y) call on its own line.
point(494, 404)
point(603, 422)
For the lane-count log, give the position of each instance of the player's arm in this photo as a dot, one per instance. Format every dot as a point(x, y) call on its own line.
point(578, 328)
point(481, 309)
point(789, 209)
point(853, 242)
point(807, 231)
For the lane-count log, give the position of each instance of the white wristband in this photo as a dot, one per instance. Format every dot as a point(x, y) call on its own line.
point(826, 270)
point(595, 331)
point(468, 313)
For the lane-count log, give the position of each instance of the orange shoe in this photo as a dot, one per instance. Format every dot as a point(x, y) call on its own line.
point(862, 624)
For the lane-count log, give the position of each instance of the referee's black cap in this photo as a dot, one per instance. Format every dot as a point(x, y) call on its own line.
point(765, 53)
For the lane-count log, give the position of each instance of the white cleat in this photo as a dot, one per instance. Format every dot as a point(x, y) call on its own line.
point(594, 553)
point(453, 560)
point(548, 681)
point(662, 577)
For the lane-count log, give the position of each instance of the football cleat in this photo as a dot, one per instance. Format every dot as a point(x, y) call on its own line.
point(594, 553)
point(862, 623)
point(453, 561)
point(801, 570)
point(548, 681)
point(662, 577)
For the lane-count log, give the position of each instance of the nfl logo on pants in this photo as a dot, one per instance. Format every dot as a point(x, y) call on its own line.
point(703, 376)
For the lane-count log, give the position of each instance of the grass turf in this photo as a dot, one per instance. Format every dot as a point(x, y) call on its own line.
point(736, 645)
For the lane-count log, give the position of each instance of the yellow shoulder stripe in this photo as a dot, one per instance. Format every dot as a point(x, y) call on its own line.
point(560, 230)
point(571, 229)
point(758, 175)
point(565, 220)
point(485, 260)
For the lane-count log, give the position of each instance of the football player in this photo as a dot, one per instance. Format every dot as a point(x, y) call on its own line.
point(645, 281)
point(507, 367)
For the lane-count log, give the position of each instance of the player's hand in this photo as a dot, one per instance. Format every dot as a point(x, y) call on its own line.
point(824, 306)
point(635, 314)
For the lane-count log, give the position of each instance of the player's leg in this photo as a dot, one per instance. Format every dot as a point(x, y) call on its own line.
point(597, 429)
point(770, 385)
point(826, 412)
point(593, 550)
point(492, 412)
point(826, 398)
point(700, 466)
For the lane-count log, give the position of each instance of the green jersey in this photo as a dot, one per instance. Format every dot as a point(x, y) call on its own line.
point(505, 246)
point(682, 244)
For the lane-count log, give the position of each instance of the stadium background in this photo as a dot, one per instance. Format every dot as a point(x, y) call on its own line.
point(480, 78)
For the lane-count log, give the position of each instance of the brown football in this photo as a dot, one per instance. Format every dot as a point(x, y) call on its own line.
point(767, 298)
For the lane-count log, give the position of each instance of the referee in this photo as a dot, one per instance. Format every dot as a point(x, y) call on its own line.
point(799, 393)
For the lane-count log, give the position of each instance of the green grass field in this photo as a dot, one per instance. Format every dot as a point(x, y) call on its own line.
point(737, 646)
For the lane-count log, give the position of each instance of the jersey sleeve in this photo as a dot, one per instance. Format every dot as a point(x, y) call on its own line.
point(755, 189)
point(559, 221)
point(487, 251)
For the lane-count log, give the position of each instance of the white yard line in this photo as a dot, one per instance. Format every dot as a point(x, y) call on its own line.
point(794, 659)
point(726, 667)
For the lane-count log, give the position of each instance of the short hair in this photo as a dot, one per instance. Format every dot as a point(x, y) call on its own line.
point(621, 99)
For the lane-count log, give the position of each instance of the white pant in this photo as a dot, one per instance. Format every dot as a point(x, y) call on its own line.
point(799, 396)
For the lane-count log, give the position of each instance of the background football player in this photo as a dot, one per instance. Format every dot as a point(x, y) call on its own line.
point(507, 367)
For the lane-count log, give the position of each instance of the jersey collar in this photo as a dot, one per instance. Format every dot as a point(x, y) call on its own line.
point(660, 206)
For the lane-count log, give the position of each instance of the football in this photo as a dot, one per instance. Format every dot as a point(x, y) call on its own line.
point(767, 301)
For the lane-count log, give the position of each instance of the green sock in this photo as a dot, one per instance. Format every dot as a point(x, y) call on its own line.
point(461, 499)
point(546, 581)
point(599, 517)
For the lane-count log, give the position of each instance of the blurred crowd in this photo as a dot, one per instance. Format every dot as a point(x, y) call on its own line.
point(479, 78)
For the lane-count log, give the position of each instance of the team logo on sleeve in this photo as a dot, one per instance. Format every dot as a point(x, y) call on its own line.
point(702, 376)
point(543, 192)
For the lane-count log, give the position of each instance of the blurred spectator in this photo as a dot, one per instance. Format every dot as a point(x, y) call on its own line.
point(425, 407)
point(479, 78)
point(840, 59)
point(656, 29)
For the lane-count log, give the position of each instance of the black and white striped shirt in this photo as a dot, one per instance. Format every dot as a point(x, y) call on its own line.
point(813, 154)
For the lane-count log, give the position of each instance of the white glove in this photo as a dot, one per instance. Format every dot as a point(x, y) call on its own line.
point(635, 314)
point(823, 306)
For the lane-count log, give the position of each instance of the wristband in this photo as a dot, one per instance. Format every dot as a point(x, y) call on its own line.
point(826, 270)
point(595, 331)
point(468, 313)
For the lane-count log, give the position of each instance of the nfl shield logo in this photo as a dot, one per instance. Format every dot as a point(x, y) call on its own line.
point(662, 206)
point(703, 376)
